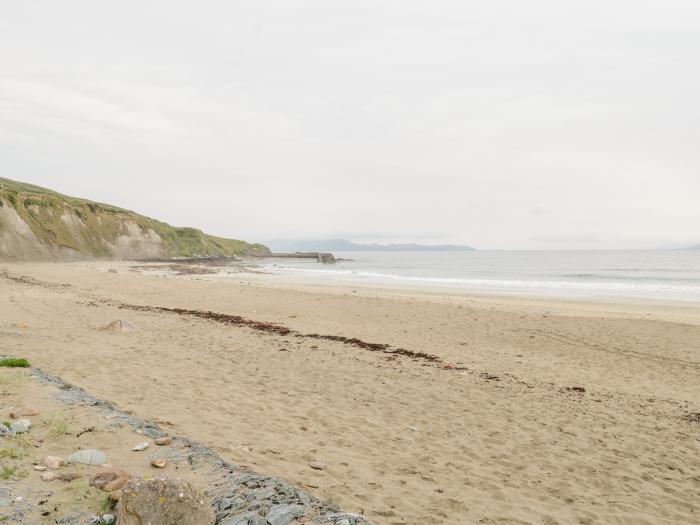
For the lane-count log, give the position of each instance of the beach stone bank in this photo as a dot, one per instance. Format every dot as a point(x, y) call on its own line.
point(233, 497)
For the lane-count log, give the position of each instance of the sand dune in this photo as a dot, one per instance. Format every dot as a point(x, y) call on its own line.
point(534, 411)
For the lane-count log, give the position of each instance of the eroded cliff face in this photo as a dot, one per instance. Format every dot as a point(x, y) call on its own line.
point(40, 225)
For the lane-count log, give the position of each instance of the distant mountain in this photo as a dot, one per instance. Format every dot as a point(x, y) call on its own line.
point(343, 245)
point(696, 247)
point(37, 224)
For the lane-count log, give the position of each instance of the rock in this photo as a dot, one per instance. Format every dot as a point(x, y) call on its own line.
point(241, 519)
point(40, 468)
point(88, 457)
point(159, 463)
point(318, 465)
point(140, 447)
point(109, 479)
point(284, 514)
point(119, 326)
point(53, 462)
point(17, 413)
point(163, 440)
point(5, 496)
point(113, 270)
point(69, 476)
point(21, 426)
point(108, 519)
point(48, 476)
point(163, 502)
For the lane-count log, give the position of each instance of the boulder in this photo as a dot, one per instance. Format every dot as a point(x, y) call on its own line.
point(164, 502)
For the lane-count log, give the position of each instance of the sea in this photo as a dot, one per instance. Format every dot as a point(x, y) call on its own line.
point(647, 274)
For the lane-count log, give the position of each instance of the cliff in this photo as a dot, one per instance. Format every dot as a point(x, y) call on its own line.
point(37, 224)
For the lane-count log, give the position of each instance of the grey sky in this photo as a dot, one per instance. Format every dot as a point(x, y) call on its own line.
point(501, 124)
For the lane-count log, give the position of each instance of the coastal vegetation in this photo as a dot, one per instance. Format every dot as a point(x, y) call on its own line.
point(12, 362)
point(40, 224)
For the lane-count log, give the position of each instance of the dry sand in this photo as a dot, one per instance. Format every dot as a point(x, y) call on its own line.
point(491, 431)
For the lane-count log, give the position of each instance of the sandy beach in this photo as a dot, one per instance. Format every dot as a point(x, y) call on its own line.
point(427, 408)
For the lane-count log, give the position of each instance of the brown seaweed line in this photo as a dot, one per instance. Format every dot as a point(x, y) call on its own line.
point(271, 328)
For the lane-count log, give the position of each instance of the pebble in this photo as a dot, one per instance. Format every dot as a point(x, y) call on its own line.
point(109, 479)
point(5, 496)
point(318, 465)
point(53, 462)
point(88, 457)
point(48, 476)
point(69, 476)
point(159, 463)
point(40, 468)
point(140, 447)
point(21, 426)
point(17, 413)
point(108, 519)
point(163, 440)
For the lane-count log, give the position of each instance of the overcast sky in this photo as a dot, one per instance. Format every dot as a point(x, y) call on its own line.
point(500, 124)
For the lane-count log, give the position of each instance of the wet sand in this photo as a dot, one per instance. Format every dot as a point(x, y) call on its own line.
point(469, 410)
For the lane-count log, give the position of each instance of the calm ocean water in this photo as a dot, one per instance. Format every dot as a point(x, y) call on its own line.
point(657, 274)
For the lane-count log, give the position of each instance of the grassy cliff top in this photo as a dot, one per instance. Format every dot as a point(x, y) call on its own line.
point(95, 229)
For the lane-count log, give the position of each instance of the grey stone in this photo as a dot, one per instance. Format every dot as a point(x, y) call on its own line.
point(5, 496)
point(88, 457)
point(140, 447)
point(224, 504)
point(284, 514)
point(265, 493)
point(21, 426)
point(242, 519)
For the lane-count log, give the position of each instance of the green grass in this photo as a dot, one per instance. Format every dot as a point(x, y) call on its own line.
point(104, 224)
point(12, 362)
point(12, 472)
point(58, 426)
point(107, 505)
point(11, 453)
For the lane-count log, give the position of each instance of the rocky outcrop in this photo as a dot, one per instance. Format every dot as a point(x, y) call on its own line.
point(37, 224)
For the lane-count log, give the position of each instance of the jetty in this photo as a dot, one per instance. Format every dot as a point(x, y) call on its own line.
point(325, 258)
